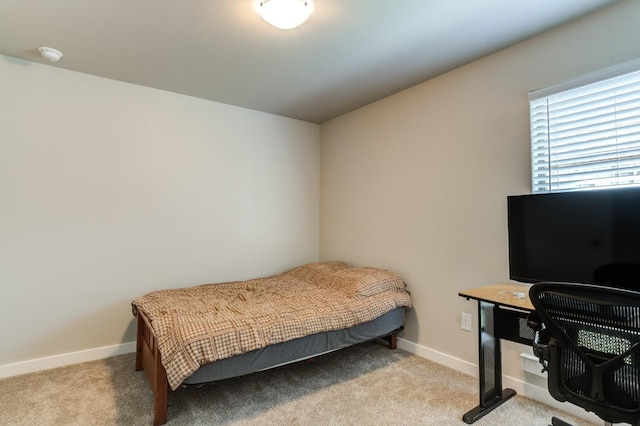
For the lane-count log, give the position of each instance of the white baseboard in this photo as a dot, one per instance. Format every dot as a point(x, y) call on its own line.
point(439, 357)
point(523, 388)
point(46, 363)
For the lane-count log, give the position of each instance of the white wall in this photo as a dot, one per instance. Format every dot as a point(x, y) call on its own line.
point(110, 190)
point(418, 182)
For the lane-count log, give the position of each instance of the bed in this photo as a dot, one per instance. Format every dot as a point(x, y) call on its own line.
point(196, 335)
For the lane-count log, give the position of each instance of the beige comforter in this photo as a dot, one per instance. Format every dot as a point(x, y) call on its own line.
point(202, 324)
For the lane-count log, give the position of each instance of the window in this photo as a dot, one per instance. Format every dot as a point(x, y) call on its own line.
point(586, 133)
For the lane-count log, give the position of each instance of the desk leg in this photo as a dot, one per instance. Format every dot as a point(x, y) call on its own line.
point(489, 365)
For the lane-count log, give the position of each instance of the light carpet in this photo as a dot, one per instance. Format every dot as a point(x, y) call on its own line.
point(367, 384)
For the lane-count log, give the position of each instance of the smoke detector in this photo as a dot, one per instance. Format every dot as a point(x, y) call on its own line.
point(50, 53)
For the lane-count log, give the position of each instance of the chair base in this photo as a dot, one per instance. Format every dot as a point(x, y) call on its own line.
point(557, 422)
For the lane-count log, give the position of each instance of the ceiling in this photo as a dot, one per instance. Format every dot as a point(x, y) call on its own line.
point(348, 54)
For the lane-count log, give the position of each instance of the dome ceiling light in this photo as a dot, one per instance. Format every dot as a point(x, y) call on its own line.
point(285, 14)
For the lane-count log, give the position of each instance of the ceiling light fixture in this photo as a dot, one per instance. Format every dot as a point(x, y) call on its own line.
point(285, 14)
point(50, 53)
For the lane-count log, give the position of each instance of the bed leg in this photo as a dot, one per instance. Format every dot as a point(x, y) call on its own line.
point(160, 394)
point(160, 387)
point(139, 343)
point(393, 341)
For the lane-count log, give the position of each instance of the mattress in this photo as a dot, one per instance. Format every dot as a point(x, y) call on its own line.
point(297, 349)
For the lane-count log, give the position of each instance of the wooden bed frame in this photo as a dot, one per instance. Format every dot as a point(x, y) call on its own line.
point(148, 359)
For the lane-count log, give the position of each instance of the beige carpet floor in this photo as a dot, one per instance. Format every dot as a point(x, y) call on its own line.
point(364, 385)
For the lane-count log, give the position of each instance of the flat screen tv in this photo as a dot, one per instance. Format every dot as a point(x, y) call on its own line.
point(588, 237)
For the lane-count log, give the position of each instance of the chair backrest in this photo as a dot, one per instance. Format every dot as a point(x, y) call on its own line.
point(593, 348)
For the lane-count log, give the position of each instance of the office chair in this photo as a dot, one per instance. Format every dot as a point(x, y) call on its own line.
point(587, 337)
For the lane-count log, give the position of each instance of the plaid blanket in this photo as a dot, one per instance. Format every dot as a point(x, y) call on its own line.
point(202, 324)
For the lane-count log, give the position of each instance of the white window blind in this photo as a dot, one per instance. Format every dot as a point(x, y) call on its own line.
point(588, 136)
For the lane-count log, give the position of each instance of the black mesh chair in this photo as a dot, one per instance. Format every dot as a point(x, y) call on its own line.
point(588, 339)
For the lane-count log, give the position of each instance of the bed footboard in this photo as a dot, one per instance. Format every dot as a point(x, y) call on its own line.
point(148, 359)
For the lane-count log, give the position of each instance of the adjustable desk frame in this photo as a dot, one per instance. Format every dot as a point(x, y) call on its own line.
point(500, 316)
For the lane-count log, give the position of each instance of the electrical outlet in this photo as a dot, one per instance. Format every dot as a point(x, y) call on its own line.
point(465, 321)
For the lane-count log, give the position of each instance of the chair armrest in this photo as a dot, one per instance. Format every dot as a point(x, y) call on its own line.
point(540, 344)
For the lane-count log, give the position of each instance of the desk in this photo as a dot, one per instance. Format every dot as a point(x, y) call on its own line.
point(500, 316)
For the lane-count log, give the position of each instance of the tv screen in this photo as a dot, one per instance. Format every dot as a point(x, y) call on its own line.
point(588, 237)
